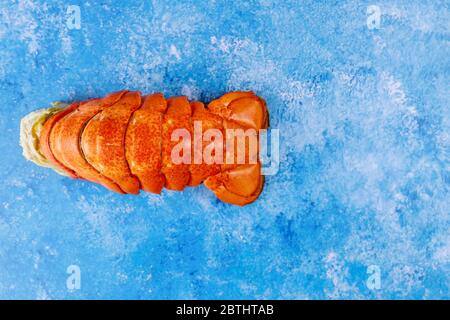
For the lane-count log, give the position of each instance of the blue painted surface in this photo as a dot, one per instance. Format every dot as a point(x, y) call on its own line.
point(364, 174)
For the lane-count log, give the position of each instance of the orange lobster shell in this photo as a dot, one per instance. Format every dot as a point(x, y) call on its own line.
point(123, 142)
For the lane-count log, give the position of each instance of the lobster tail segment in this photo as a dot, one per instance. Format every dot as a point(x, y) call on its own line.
point(66, 135)
point(103, 141)
point(240, 182)
point(125, 142)
point(143, 143)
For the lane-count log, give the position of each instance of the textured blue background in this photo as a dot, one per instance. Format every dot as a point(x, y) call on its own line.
point(364, 174)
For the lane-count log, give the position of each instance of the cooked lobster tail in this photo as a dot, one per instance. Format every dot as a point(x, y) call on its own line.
point(125, 142)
